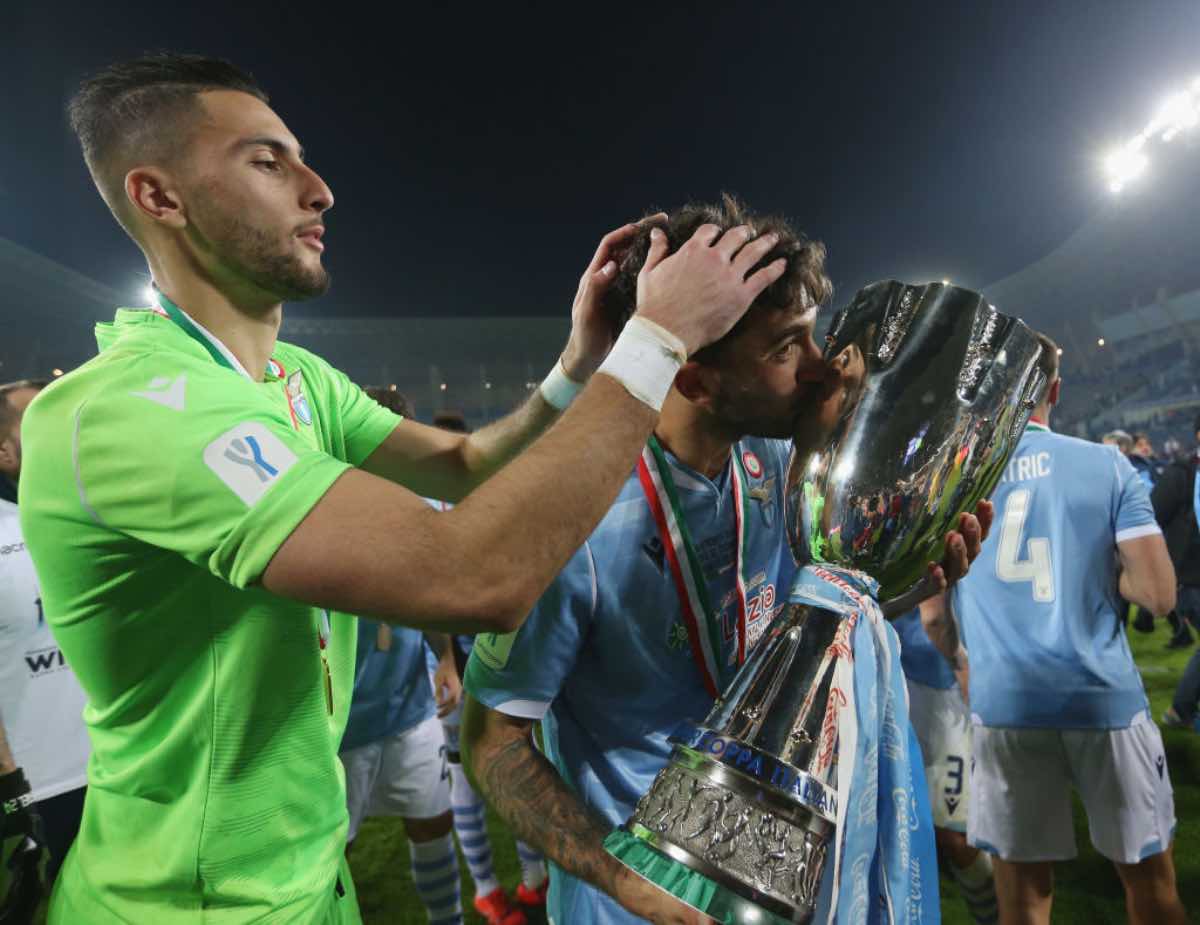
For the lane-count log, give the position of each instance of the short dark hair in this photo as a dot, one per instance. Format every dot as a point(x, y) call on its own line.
point(139, 108)
point(391, 399)
point(1047, 363)
point(805, 260)
point(8, 414)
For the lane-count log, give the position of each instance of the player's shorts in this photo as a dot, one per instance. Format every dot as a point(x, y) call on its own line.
point(1021, 783)
point(943, 726)
point(403, 775)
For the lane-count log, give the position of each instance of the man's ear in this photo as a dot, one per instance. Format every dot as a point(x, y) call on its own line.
point(1052, 397)
point(152, 193)
point(698, 383)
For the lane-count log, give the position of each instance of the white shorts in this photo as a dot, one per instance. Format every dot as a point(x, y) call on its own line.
point(403, 775)
point(1022, 781)
point(943, 726)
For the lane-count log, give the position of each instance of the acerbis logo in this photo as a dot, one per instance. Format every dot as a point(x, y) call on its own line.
point(248, 458)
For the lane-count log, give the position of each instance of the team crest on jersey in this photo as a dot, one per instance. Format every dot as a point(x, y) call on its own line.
point(764, 494)
point(297, 398)
point(754, 468)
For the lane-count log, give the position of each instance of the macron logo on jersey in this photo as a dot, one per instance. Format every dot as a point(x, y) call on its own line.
point(248, 458)
point(163, 391)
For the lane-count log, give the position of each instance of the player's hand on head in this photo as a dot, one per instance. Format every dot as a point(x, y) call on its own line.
point(592, 330)
point(699, 292)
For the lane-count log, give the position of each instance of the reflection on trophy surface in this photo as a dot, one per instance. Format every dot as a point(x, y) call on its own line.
point(936, 387)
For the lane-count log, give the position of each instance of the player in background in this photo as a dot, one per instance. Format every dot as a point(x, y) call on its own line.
point(43, 741)
point(937, 690)
point(224, 491)
point(609, 659)
point(1174, 506)
point(395, 756)
point(491, 901)
point(1055, 697)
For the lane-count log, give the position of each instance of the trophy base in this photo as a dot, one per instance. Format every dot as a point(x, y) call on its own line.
point(689, 879)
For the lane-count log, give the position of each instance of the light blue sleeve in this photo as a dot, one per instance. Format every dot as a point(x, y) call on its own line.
point(521, 673)
point(1133, 514)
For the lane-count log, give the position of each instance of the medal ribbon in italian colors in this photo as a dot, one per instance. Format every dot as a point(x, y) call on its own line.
point(699, 616)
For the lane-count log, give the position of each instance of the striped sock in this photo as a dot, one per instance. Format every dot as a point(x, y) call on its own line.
point(533, 866)
point(472, 836)
point(978, 889)
point(435, 873)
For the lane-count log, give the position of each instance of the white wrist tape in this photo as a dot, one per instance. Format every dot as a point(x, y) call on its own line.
point(559, 389)
point(644, 360)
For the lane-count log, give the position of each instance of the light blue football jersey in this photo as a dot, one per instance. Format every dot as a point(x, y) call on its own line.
point(604, 659)
point(1039, 609)
point(919, 658)
point(392, 692)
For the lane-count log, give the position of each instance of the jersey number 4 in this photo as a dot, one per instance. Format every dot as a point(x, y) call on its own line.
point(1009, 564)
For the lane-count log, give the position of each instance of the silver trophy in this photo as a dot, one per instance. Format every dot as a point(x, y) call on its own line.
point(937, 387)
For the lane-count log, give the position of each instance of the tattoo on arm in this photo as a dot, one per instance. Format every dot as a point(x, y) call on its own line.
point(527, 792)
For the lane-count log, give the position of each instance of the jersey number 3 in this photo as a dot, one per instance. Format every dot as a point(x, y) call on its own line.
point(1009, 564)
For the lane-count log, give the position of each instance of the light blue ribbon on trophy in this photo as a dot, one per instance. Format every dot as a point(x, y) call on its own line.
point(885, 868)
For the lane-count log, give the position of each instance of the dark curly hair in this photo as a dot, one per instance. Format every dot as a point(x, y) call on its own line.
point(805, 271)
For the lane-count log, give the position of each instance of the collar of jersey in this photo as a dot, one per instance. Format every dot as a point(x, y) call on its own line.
point(1037, 428)
point(688, 479)
point(221, 354)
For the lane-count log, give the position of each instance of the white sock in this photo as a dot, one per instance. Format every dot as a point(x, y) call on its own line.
point(533, 866)
point(978, 889)
point(472, 835)
point(435, 873)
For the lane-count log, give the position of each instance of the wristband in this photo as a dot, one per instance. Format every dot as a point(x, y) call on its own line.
point(15, 792)
point(644, 360)
point(559, 389)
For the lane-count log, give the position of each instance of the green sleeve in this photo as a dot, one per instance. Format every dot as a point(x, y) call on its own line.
point(222, 481)
point(365, 423)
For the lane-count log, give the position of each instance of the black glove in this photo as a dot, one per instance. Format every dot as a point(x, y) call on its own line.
point(22, 848)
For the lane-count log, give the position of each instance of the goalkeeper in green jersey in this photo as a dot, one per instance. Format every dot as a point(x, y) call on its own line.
point(201, 496)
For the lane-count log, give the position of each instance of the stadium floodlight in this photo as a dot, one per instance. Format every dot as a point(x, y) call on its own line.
point(1100, 342)
point(1179, 112)
point(56, 373)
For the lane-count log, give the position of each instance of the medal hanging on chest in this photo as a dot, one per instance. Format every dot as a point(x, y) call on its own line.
point(702, 620)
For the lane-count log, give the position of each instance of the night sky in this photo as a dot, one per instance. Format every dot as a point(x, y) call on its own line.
point(478, 153)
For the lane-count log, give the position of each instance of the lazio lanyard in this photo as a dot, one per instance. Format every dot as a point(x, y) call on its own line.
point(218, 352)
point(700, 617)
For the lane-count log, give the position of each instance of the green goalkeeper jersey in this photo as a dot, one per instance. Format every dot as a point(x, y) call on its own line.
point(159, 479)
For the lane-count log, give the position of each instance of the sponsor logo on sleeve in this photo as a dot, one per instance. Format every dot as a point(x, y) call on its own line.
point(248, 459)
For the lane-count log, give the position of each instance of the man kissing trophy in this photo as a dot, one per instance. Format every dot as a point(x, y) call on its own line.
point(806, 759)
